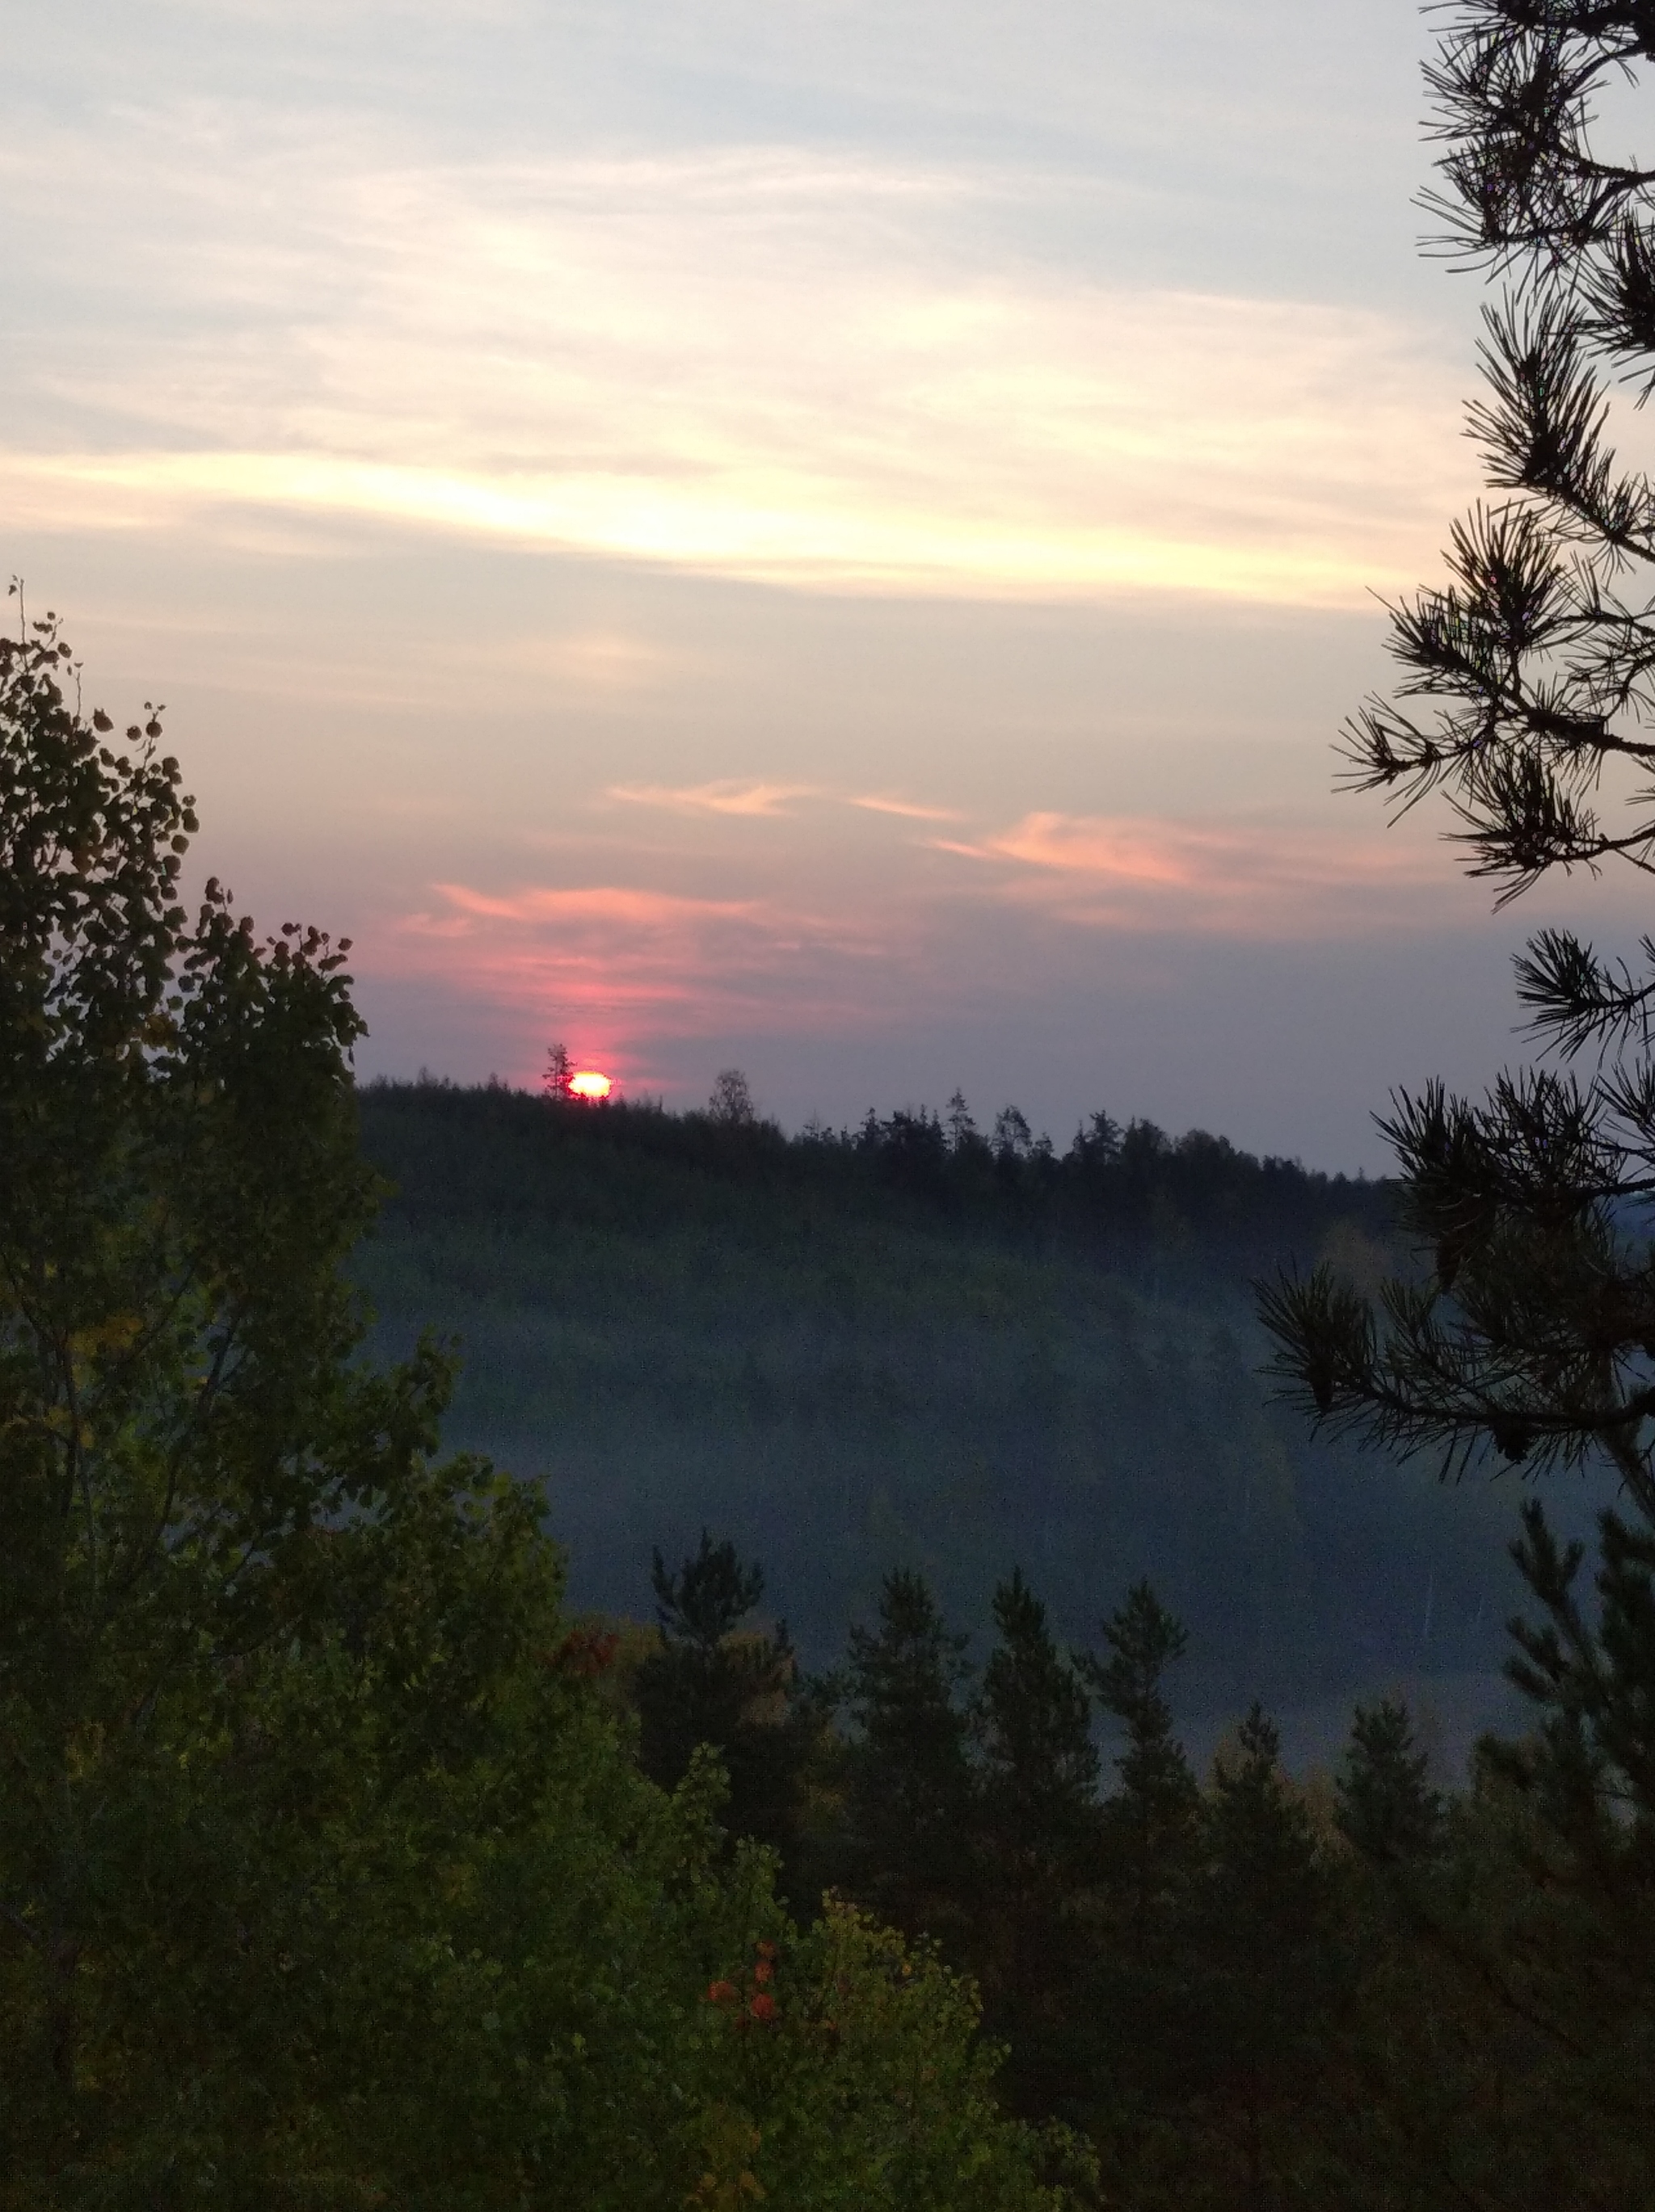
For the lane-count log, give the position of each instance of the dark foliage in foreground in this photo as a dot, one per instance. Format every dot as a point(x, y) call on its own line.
point(1525, 698)
point(1245, 1990)
point(328, 1878)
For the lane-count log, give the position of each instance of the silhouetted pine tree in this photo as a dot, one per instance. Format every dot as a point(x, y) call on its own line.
point(908, 1796)
point(709, 1680)
point(1142, 2027)
point(1265, 1933)
point(1525, 697)
point(1386, 1805)
point(1576, 1953)
point(1036, 1832)
point(1150, 1823)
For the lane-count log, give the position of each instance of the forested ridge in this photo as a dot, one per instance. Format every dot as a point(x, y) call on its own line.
point(900, 1346)
point(1128, 1194)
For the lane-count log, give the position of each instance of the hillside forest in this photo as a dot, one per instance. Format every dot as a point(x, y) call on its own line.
point(1239, 1978)
point(915, 1345)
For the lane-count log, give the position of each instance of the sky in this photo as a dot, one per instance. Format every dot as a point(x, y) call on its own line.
point(833, 539)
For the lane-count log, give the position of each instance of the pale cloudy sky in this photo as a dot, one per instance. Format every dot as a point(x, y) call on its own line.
point(833, 537)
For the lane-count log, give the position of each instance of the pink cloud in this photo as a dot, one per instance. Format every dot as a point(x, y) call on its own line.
point(609, 904)
point(632, 962)
point(874, 804)
point(1264, 879)
point(620, 969)
point(728, 797)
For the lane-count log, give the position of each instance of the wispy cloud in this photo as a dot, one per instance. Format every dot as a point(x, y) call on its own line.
point(732, 795)
point(727, 797)
point(604, 907)
point(758, 363)
point(634, 963)
point(906, 810)
point(1270, 879)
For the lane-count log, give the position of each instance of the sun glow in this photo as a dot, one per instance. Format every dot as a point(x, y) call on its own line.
point(587, 1083)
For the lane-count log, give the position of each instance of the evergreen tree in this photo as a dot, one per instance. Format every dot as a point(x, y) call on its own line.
point(909, 1783)
point(1013, 1139)
point(1097, 1142)
point(1141, 2025)
point(1150, 1821)
point(711, 1681)
point(1265, 1936)
point(1529, 1337)
point(959, 1122)
point(1386, 1805)
point(1038, 1816)
point(1578, 1953)
point(1039, 1765)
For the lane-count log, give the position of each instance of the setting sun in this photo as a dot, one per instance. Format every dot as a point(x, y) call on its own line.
point(587, 1083)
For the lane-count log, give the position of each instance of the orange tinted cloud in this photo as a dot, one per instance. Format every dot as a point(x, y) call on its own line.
point(1261, 879)
point(729, 797)
point(875, 803)
point(630, 961)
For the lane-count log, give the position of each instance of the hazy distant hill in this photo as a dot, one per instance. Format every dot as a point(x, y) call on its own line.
point(897, 1344)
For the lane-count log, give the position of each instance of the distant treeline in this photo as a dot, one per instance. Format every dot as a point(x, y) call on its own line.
point(1121, 1189)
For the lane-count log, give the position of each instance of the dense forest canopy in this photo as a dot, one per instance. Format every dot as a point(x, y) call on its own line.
point(895, 1346)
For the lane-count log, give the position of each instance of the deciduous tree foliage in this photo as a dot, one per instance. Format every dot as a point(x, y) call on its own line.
point(327, 1878)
